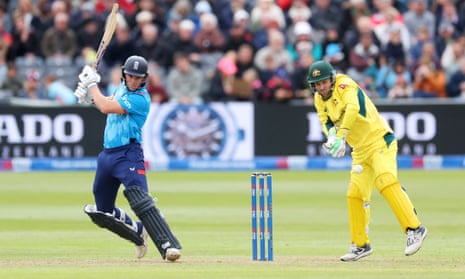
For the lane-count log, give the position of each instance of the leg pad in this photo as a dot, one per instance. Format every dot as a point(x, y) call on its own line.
point(109, 222)
point(155, 224)
point(398, 200)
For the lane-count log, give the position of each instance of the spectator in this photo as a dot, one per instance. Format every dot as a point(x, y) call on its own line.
point(5, 34)
point(201, 8)
point(299, 77)
point(456, 86)
point(357, 9)
point(388, 74)
point(156, 8)
point(81, 14)
point(428, 50)
point(244, 59)
point(247, 79)
point(394, 47)
point(143, 18)
point(209, 38)
point(452, 54)
point(5, 16)
point(402, 88)
point(59, 40)
point(380, 7)
point(58, 91)
point(278, 88)
point(429, 81)
point(363, 58)
point(423, 37)
point(299, 13)
point(184, 42)
point(303, 42)
point(391, 24)
point(444, 38)
point(417, 17)
point(30, 14)
point(182, 10)
point(352, 35)
point(326, 15)
point(151, 46)
point(54, 8)
point(24, 42)
point(239, 33)
point(184, 81)
point(261, 38)
point(32, 89)
point(222, 83)
point(6, 40)
point(276, 49)
point(263, 12)
point(449, 16)
point(13, 82)
point(226, 12)
point(155, 84)
point(334, 50)
point(89, 34)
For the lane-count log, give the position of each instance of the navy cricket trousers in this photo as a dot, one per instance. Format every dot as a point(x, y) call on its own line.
point(116, 166)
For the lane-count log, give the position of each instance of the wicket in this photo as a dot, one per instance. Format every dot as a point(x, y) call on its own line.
point(261, 215)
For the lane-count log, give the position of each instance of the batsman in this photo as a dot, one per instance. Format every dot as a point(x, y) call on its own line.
point(347, 115)
point(122, 161)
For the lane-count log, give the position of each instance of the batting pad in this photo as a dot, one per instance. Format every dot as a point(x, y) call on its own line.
point(359, 217)
point(398, 200)
point(117, 226)
point(144, 207)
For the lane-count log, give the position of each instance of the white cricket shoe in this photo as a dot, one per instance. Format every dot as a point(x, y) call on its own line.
point(415, 239)
point(142, 249)
point(355, 253)
point(172, 254)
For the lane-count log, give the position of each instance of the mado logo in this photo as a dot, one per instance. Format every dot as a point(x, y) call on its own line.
point(41, 135)
point(41, 128)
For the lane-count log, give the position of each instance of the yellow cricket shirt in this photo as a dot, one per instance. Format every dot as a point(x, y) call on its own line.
point(350, 108)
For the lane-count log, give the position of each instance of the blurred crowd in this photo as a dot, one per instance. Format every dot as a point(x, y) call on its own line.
point(236, 50)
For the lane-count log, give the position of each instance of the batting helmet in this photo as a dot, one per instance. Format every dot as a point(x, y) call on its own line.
point(135, 66)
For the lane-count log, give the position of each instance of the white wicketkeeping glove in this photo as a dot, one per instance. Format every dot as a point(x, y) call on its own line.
point(338, 149)
point(89, 77)
point(334, 145)
point(331, 137)
point(83, 95)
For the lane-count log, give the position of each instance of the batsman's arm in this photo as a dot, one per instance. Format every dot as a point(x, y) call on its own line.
point(105, 104)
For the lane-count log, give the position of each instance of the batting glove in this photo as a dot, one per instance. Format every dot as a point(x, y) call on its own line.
point(82, 95)
point(89, 77)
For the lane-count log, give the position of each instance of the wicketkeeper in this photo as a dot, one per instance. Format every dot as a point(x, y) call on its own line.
point(347, 115)
point(122, 161)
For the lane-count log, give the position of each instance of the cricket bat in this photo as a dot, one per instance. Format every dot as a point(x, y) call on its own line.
point(110, 27)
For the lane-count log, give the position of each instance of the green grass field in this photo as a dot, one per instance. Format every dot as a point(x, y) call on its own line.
point(45, 234)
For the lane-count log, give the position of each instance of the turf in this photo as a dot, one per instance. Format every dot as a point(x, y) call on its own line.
point(45, 234)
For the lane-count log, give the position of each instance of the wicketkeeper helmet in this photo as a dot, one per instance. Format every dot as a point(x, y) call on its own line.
point(319, 71)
